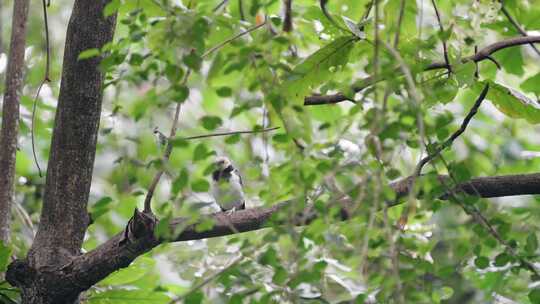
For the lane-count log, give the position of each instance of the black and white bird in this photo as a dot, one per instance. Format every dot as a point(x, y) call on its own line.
point(227, 186)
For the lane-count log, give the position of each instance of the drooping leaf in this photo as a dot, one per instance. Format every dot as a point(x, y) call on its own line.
point(316, 69)
point(513, 103)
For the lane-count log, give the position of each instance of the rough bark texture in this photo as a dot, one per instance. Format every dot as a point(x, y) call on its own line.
point(64, 217)
point(69, 174)
point(10, 114)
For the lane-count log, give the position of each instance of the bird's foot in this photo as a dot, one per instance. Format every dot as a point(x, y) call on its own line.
point(230, 211)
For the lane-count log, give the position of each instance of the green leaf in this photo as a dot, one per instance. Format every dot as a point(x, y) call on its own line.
point(134, 272)
point(5, 253)
point(502, 259)
point(180, 182)
point(511, 60)
point(111, 8)
point(316, 69)
point(201, 152)
point(211, 122)
point(531, 84)
point(224, 92)
point(129, 297)
point(194, 297)
point(481, 262)
point(200, 185)
point(101, 207)
point(193, 61)
point(532, 243)
point(513, 103)
point(89, 53)
point(534, 296)
point(180, 93)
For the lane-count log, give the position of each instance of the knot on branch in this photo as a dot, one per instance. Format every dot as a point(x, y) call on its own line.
point(140, 226)
point(19, 273)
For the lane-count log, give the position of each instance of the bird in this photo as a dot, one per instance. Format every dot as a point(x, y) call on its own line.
point(161, 139)
point(227, 186)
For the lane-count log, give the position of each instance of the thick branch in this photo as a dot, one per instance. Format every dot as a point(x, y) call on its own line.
point(97, 264)
point(10, 114)
point(481, 55)
point(69, 174)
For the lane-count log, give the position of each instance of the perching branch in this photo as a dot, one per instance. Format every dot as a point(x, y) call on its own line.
point(166, 155)
point(87, 269)
point(10, 115)
point(441, 28)
point(481, 55)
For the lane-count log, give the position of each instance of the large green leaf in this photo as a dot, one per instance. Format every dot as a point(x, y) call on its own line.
point(315, 70)
point(129, 296)
point(513, 103)
point(130, 274)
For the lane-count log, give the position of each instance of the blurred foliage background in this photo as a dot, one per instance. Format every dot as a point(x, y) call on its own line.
point(424, 251)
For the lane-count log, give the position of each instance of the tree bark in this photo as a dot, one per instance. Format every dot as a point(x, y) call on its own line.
point(10, 114)
point(64, 216)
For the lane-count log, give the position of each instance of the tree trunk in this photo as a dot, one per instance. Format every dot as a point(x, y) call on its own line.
point(64, 218)
point(10, 114)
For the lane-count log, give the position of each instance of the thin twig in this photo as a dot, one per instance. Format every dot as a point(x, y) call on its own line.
point(516, 25)
point(456, 134)
point(217, 7)
point(287, 20)
point(482, 220)
point(368, 6)
point(229, 133)
point(241, 10)
point(445, 50)
point(32, 137)
point(490, 58)
point(476, 71)
point(323, 4)
point(166, 155)
point(46, 78)
point(399, 20)
point(217, 47)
